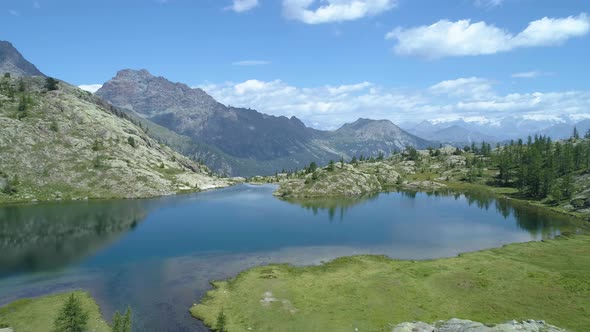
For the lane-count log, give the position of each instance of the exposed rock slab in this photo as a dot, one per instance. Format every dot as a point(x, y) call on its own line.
point(462, 325)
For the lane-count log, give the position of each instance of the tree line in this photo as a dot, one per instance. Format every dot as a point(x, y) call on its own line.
point(540, 167)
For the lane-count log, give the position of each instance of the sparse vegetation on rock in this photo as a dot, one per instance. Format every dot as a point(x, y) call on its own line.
point(67, 144)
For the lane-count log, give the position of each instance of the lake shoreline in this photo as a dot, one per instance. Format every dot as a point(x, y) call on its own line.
point(4, 203)
point(468, 282)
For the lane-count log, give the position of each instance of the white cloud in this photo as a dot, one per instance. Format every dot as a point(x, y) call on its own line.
point(327, 11)
point(330, 106)
point(90, 87)
point(251, 63)
point(463, 38)
point(488, 3)
point(240, 6)
point(13, 12)
point(36, 5)
point(530, 74)
point(472, 87)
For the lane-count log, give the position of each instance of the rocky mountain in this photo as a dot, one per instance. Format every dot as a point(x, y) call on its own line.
point(458, 134)
point(455, 132)
point(12, 62)
point(59, 142)
point(509, 127)
point(365, 137)
point(244, 141)
point(566, 130)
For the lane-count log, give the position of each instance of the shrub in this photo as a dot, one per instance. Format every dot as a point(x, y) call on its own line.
point(131, 141)
point(51, 84)
point(53, 126)
point(10, 187)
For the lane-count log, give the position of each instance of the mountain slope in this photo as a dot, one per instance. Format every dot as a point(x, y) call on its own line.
point(69, 144)
point(245, 141)
point(566, 130)
point(13, 63)
point(458, 134)
point(455, 132)
point(365, 137)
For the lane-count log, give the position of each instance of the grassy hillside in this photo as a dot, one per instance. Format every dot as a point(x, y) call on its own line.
point(536, 280)
point(67, 144)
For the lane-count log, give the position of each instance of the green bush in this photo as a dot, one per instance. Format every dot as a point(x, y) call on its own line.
point(131, 141)
point(51, 84)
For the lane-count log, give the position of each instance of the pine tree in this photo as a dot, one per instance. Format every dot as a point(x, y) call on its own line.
point(576, 134)
point(313, 166)
point(567, 186)
point(331, 166)
point(71, 317)
point(221, 322)
point(122, 323)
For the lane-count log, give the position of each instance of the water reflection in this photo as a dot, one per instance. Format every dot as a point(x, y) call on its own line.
point(538, 222)
point(159, 255)
point(49, 236)
point(332, 205)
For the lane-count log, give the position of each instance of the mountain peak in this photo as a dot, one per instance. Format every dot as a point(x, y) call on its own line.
point(134, 74)
point(12, 62)
point(368, 124)
point(151, 95)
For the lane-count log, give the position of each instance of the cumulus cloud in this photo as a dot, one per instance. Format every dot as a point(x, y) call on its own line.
point(330, 106)
point(327, 11)
point(251, 63)
point(464, 38)
point(90, 87)
point(240, 6)
point(472, 87)
point(530, 74)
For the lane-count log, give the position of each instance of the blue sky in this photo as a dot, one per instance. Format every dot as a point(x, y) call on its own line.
point(327, 61)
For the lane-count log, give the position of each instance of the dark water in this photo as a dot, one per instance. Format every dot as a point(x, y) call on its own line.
point(158, 255)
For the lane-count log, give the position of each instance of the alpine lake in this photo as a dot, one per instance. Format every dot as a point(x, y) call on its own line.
point(159, 255)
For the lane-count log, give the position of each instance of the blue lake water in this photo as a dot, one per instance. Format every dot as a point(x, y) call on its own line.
point(158, 255)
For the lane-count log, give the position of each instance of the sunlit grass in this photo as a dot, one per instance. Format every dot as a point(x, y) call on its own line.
point(538, 280)
point(38, 314)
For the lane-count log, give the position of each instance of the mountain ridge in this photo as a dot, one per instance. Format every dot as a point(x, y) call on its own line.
point(279, 142)
point(13, 62)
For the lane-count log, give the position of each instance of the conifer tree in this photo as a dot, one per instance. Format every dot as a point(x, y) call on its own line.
point(71, 317)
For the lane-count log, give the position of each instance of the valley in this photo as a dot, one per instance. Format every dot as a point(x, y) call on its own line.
point(294, 165)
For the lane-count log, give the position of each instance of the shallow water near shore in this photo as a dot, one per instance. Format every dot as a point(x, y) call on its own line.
point(159, 255)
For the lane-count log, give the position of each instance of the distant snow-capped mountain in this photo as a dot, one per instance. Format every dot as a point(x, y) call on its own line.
point(510, 127)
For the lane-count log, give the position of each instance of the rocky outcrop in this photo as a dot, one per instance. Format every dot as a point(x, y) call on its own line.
point(339, 181)
point(461, 325)
point(68, 144)
point(13, 63)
